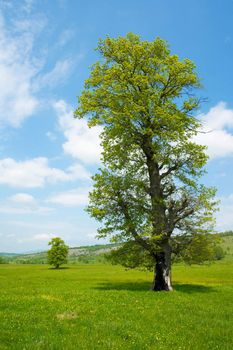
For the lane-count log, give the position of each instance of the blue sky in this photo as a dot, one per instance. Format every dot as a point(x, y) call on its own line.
point(47, 157)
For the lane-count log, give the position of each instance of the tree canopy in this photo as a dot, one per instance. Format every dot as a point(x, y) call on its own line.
point(57, 254)
point(147, 194)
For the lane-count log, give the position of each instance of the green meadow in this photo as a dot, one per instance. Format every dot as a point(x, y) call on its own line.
point(99, 306)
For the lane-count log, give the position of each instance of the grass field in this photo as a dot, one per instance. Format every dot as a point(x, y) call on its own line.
point(106, 307)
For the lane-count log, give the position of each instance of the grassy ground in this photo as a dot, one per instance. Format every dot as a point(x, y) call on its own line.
point(106, 307)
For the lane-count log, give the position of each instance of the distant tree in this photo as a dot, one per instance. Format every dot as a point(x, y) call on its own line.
point(226, 233)
point(2, 260)
point(200, 249)
point(219, 253)
point(147, 194)
point(57, 254)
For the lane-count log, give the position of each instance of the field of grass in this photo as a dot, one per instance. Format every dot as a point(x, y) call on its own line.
point(107, 307)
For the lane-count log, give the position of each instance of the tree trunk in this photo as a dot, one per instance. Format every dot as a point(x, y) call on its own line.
point(162, 276)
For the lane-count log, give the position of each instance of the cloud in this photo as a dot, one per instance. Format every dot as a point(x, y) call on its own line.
point(42, 237)
point(72, 198)
point(66, 36)
point(218, 127)
point(57, 75)
point(43, 226)
point(22, 198)
point(82, 142)
point(36, 172)
point(41, 231)
point(17, 70)
point(24, 74)
point(77, 172)
point(51, 136)
point(28, 5)
point(23, 203)
point(19, 210)
point(224, 216)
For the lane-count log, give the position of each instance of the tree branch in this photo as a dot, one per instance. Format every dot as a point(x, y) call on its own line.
point(124, 207)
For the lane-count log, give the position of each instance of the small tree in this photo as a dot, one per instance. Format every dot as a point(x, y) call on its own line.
point(57, 254)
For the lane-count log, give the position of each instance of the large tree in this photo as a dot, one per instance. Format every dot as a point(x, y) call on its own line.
point(147, 193)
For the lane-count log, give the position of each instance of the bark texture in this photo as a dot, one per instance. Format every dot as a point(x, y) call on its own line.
point(162, 276)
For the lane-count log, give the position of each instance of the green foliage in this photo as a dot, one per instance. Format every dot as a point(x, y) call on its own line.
point(131, 255)
point(90, 259)
point(219, 253)
point(200, 249)
point(57, 254)
point(226, 233)
point(148, 189)
point(2, 260)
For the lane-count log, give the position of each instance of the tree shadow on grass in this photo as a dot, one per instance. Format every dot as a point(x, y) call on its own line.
point(193, 288)
point(145, 287)
point(124, 286)
point(60, 268)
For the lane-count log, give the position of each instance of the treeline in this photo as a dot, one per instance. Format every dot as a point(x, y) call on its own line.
point(82, 259)
point(226, 233)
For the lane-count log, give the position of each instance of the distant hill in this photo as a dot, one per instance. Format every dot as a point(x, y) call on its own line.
point(95, 253)
point(9, 254)
point(83, 254)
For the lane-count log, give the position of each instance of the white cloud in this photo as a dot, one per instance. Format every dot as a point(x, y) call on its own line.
point(10, 235)
point(224, 216)
point(19, 210)
point(22, 198)
point(57, 75)
point(66, 36)
point(41, 231)
point(77, 172)
point(36, 172)
point(43, 226)
point(22, 71)
point(17, 69)
point(82, 142)
point(23, 203)
point(51, 136)
point(71, 198)
point(91, 235)
point(42, 237)
point(28, 5)
point(217, 127)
